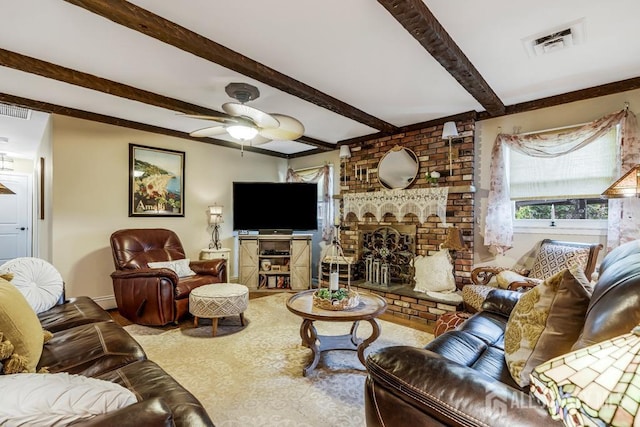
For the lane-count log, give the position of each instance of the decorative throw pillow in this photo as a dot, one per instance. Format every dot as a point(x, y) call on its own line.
point(474, 295)
point(506, 278)
point(180, 266)
point(434, 273)
point(578, 273)
point(544, 324)
point(58, 399)
point(20, 325)
point(552, 258)
point(40, 282)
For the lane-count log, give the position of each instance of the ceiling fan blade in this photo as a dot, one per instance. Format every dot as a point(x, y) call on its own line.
point(260, 118)
point(222, 118)
point(259, 140)
point(289, 129)
point(210, 131)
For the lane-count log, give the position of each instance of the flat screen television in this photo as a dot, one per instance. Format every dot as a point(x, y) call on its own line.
point(275, 206)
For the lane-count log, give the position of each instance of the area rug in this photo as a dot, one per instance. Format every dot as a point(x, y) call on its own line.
point(251, 376)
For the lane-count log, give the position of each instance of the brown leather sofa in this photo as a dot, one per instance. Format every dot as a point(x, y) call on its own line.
point(86, 341)
point(461, 378)
point(156, 296)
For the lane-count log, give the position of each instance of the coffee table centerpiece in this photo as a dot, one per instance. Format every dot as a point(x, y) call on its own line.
point(332, 297)
point(342, 299)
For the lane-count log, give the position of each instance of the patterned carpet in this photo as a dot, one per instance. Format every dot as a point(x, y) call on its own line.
point(252, 376)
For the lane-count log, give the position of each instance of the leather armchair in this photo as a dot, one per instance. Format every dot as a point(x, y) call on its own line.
point(156, 296)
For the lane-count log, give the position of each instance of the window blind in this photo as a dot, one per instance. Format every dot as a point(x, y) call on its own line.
point(583, 173)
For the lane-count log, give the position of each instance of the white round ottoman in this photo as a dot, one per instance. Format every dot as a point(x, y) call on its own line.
point(218, 300)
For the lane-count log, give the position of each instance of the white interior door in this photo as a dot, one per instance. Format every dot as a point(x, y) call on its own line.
point(15, 218)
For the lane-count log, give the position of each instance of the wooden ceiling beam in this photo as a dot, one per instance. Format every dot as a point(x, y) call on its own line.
point(565, 98)
point(86, 115)
point(32, 65)
point(152, 25)
point(418, 20)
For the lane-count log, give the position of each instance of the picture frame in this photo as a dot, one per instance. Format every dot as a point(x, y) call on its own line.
point(156, 182)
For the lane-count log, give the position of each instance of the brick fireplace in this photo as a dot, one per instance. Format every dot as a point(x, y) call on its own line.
point(361, 236)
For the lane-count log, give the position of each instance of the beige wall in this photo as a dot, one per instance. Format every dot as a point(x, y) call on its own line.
point(90, 196)
point(43, 227)
point(547, 118)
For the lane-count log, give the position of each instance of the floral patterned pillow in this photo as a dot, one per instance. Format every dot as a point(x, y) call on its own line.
point(545, 323)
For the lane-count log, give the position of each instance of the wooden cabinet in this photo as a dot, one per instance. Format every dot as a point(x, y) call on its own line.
point(275, 263)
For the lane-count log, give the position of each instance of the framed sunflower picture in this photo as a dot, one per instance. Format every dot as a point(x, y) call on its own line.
point(156, 181)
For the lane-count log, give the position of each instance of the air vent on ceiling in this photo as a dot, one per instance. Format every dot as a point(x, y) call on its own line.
point(559, 38)
point(9, 110)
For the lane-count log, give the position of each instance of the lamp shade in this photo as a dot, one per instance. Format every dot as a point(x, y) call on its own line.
point(453, 240)
point(215, 214)
point(627, 186)
point(243, 133)
point(449, 130)
point(594, 386)
point(345, 152)
point(5, 190)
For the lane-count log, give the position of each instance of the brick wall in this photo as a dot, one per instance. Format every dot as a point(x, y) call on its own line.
point(433, 154)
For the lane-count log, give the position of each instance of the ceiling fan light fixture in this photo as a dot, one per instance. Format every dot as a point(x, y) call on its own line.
point(242, 133)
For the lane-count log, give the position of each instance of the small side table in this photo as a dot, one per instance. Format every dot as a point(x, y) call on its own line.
point(222, 253)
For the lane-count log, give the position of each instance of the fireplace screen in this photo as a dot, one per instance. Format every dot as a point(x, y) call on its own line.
point(387, 253)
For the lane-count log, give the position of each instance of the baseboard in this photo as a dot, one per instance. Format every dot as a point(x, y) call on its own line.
point(107, 302)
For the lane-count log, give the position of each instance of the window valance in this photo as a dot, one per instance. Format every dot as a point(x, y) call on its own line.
point(498, 232)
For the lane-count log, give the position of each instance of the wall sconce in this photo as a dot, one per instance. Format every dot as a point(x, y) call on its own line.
point(627, 186)
point(593, 386)
point(6, 163)
point(450, 131)
point(345, 153)
point(215, 219)
point(5, 190)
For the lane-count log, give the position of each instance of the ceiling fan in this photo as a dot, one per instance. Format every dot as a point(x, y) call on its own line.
point(246, 123)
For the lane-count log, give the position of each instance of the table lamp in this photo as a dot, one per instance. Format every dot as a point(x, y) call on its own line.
point(594, 386)
point(215, 219)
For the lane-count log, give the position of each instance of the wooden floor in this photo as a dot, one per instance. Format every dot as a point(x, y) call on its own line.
point(385, 316)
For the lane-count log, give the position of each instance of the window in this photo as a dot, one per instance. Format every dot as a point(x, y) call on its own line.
point(557, 191)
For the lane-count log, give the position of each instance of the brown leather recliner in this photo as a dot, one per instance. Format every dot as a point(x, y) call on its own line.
point(461, 377)
point(156, 296)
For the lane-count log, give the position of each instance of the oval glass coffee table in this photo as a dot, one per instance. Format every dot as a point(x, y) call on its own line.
point(371, 306)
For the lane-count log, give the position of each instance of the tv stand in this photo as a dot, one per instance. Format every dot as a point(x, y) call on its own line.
point(276, 231)
point(275, 262)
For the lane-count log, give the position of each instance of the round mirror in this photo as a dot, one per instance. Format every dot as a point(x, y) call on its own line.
point(398, 168)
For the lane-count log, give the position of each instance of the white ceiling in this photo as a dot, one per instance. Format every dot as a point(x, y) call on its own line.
point(354, 51)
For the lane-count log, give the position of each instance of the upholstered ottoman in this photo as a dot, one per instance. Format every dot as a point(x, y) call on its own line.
point(218, 300)
point(450, 321)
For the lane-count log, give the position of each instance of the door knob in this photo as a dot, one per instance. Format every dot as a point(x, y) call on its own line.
point(21, 228)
